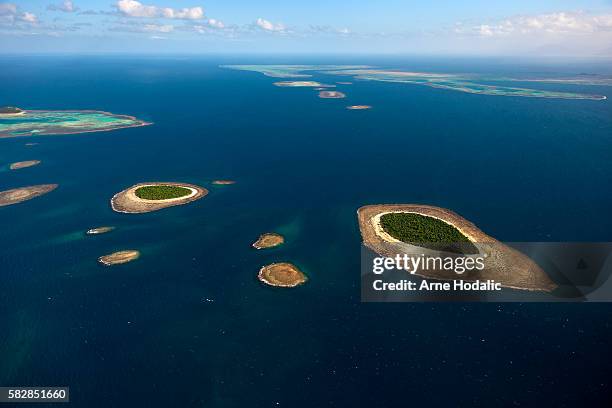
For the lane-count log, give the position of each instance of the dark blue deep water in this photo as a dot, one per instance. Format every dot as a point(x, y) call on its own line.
point(143, 334)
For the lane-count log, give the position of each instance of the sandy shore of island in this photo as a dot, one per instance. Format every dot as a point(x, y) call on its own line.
point(503, 264)
point(127, 201)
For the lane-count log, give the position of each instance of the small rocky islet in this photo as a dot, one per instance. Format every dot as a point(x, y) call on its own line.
point(24, 164)
point(223, 182)
point(331, 95)
point(268, 240)
point(282, 274)
point(99, 230)
point(119, 257)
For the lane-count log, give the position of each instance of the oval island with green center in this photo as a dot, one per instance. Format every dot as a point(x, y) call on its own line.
point(161, 192)
point(429, 233)
point(147, 197)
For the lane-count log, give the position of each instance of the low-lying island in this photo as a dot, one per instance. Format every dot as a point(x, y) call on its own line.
point(392, 229)
point(153, 196)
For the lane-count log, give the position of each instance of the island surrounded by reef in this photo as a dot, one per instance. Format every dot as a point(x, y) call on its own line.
point(284, 275)
point(47, 122)
point(397, 229)
point(153, 196)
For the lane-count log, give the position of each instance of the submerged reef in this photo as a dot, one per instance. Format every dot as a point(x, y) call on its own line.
point(41, 122)
point(289, 71)
point(473, 84)
point(479, 84)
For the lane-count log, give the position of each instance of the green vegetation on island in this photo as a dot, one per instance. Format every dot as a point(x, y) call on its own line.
point(161, 192)
point(427, 232)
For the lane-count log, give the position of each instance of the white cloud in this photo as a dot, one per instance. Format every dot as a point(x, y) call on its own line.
point(29, 18)
point(8, 9)
point(158, 28)
point(138, 27)
point(195, 13)
point(133, 8)
point(67, 6)
point(560, 23)
point(269, 26)
point(211, 25)
point(10, 15)
point(562, 33)
point(215, 23)
point(326, 29)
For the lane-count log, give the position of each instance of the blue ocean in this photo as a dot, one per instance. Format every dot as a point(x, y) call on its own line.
point(189, 325)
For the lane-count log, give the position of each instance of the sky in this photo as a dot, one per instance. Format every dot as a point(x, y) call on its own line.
point(446, 27)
